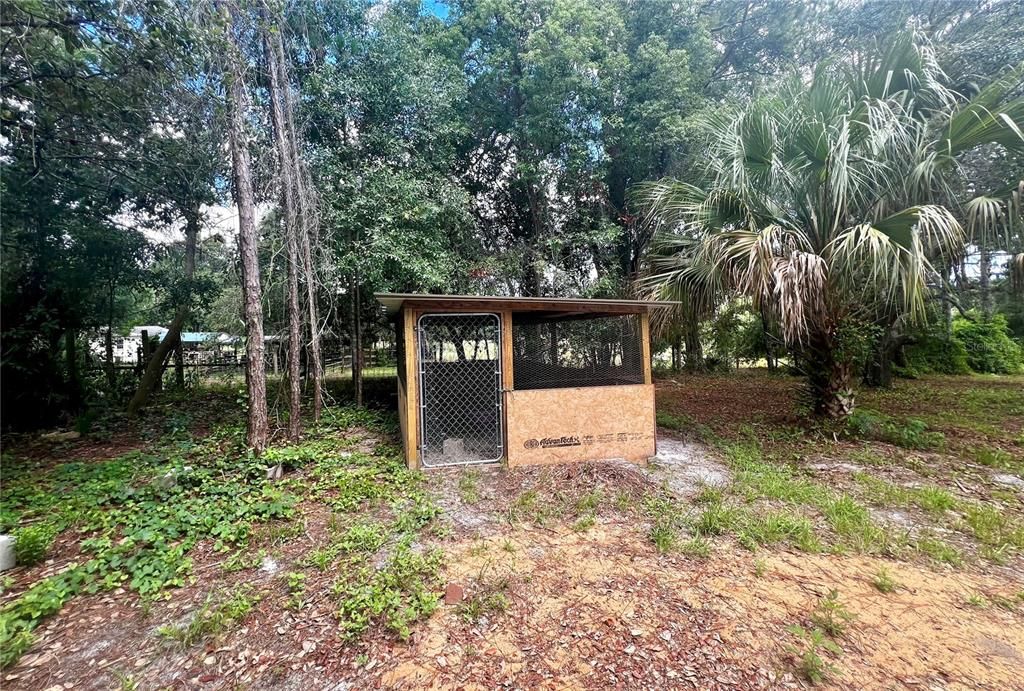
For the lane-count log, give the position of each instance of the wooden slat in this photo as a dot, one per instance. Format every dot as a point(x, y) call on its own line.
point(412, 381)
point(441, 304)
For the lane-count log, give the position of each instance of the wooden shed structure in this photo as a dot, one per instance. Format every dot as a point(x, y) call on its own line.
point(523, 380)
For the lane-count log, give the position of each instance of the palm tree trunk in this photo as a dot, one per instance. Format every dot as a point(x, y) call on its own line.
point(694, 349)
point(829, 377)
point(248, 242)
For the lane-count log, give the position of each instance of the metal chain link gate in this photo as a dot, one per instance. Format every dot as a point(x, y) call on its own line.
point(460, 388)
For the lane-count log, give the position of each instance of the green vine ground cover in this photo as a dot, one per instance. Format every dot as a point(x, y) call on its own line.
point(137, 518)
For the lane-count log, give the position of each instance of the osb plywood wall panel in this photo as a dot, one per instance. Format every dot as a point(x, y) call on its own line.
point(580, 424)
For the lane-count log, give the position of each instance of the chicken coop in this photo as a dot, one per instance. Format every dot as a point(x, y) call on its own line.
point(523, 380)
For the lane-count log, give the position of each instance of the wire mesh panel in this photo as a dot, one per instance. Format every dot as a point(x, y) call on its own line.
point(554, 353)
point(460, 385)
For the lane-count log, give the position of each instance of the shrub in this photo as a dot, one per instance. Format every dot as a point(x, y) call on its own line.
point(933, 353)
point(989, 346)
point(864, 423)
point(31, 544)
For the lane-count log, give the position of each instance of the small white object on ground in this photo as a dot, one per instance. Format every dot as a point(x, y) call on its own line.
point(7, 560)
point(1010, 480)
point(61, 436)
point(269, 565)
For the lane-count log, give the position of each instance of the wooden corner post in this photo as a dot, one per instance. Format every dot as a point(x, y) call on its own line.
point(645, 345)
point(412, 383)
point(507, 377)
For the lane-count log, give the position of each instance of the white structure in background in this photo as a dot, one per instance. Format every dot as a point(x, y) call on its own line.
point(126, 348)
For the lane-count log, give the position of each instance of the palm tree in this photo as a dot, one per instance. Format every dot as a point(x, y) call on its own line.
point(830, 204)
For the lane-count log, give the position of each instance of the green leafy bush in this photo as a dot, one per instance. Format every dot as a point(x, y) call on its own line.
point(864, 423)
point(989, 346)
point(933, 353)
point(31, 544)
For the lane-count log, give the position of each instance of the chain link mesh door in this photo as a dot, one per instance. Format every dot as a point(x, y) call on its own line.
point(460, 388)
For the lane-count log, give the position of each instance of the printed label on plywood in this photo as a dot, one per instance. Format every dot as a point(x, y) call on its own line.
point(580, 424)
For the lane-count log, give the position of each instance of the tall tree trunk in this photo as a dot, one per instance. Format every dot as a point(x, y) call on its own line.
point(766, 335)
point(306, 226)
point(108, 342)
point(289, 189)
point(155, 363)
point(179, 366)
point(71, 356)
point(248, 243)
point(985, 280)
point(694, 349)
point(357, 345)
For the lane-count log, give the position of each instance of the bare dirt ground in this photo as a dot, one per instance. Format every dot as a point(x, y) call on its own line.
point(558, 578)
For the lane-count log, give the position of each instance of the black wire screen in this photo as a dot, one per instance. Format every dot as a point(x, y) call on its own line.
point(460, 388)
point(552, 353)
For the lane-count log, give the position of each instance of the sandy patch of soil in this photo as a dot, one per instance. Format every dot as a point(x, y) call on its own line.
point(686, 467)
point(601, 609)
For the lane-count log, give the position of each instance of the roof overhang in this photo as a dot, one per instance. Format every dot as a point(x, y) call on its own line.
point(396, 302)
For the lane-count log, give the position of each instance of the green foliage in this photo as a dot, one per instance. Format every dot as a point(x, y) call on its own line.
point(141, 515)
point(469, 486)
point(884, 582)
point(988, 345)
point(663, 536)
point(933, 353)
point(864, 423)
point(32, 543)
point(778, 526)
point(296, 581)
point(830, 615)
point(810, 645)
point(399, 593)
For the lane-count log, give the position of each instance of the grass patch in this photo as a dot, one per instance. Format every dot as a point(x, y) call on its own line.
point(662, 536)
point(937, 550)
point(490, 598)
point(884, 582)
point(469, 486)
point(216, 615)
point(776, 526)
point(697, 547)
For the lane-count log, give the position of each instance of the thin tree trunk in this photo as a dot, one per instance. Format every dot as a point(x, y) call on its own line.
point(71, 355)
point(306, 222)
point(290, 203)
point(179, 366)
point(155, 363)
point(766, 335)
point(248, 243)
point(357, 345)
point(985, 281)
point(108, 342)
